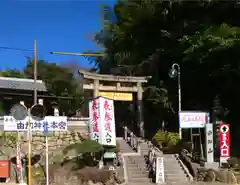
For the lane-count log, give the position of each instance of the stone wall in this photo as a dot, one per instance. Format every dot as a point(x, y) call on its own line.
point(56, 142)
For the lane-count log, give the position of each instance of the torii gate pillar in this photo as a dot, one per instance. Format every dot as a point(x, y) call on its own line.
point(96, 87)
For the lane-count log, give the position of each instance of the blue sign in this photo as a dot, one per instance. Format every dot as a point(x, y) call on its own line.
point(45, 130)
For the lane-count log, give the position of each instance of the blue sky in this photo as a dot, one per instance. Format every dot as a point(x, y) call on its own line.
point(56, 25)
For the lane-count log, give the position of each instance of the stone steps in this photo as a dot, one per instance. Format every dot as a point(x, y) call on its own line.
point(135, 165)
point(124, 147)
point(136, 173)
point(173, 171)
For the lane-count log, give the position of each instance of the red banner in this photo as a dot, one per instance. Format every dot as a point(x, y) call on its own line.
point(18, 164)
point(224, 141)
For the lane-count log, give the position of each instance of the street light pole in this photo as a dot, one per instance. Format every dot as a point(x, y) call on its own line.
point(176, 71)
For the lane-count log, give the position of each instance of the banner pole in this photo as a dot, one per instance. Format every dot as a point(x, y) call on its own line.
point(29, 150)
point(47, 163)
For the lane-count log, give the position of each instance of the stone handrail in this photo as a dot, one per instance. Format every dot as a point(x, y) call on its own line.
point(153, 154)
point(132, 139)
point(124, 166)
point(155, 149)
point(185, 169)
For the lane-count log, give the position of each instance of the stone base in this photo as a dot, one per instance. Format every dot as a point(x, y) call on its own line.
point(212, 165)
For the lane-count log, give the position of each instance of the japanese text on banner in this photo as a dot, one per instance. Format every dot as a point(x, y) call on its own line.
point(224, 141)
point(108, 122)
point(94, 111)
point(53, 123)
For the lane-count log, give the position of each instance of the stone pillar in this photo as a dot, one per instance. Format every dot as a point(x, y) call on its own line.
point(125, 133)
point(140, 109)
point(95, 88)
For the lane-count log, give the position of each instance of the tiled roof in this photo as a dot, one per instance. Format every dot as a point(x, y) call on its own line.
point(21, 84)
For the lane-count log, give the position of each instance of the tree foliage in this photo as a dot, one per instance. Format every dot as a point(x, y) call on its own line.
point(61, 81)
point(201, 36)
point(86, 146)
point(14, 73)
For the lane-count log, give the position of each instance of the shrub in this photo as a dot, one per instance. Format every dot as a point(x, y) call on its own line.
point(172, 139)
point(86, 146)
point(166, 139)
point(159, 138)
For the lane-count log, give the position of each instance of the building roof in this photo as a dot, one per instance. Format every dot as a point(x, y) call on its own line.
point(21, 84)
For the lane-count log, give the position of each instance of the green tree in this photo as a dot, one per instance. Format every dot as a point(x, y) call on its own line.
point(60, 81)
point(201, 36)
point(12, 73)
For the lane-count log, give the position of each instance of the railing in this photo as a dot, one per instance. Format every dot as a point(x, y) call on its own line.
point(185, 169)
point(151, 161)
point(154, 159)
point(155, 164)
point(132, 139)
point(123, 165)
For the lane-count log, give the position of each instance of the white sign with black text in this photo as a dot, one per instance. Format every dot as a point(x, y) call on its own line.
point(209, 143)
point(52, 123)
point(160, 176)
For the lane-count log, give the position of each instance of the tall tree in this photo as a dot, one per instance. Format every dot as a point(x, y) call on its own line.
point(60, 81)
point(201, 36)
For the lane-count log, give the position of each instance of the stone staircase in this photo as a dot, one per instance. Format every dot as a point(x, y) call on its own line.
point(173, 170)
point(144, 148)
point(124, 147)
point(137, 173)
point(136, 170)
point(135, 163)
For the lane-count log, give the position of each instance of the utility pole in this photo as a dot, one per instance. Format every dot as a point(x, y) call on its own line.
point(35, 72)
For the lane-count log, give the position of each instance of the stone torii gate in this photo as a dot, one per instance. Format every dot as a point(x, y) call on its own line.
point(136, 86)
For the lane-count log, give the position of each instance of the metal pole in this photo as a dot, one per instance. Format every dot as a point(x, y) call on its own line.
point(29, 151)
point(19, 156)
point(35, 71)
point(79, 54)
point(179, 98)
point(47, 163)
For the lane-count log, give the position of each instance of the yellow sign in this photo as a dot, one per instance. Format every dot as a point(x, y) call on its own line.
point(118, 96)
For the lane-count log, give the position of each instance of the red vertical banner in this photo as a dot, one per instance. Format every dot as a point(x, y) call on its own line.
point(18, 159)
point(224, 142)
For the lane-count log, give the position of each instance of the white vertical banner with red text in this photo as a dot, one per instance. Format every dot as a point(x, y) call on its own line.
point(102, 121)
point(94, 123)
point(224, 142)
point(107, 121)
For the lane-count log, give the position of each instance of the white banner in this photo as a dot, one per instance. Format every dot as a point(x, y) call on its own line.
point(107, 121)
point(53, 123)
point(102, 121)
point(94, 120)
point(192, 119)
